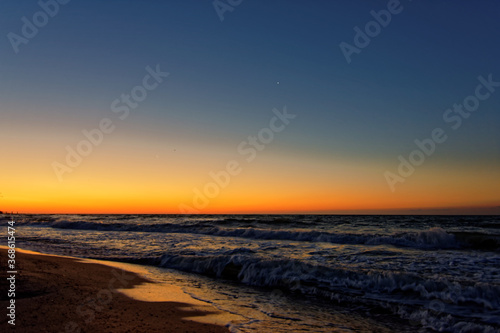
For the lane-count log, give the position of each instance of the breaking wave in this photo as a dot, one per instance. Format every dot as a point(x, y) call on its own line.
point(432, 238)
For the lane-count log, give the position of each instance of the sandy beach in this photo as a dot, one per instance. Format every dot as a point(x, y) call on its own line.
point(62, 294)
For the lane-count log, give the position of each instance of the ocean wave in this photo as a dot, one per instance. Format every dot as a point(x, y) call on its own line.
point(433, 303)
point(432, 238)
point(339, 283)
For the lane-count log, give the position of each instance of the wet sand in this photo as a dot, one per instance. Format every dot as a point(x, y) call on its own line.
point(62, 294)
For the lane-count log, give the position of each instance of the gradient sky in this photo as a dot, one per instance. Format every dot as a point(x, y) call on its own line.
point(352, 120)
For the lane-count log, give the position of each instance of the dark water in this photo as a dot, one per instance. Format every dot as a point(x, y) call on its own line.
point(304, 272)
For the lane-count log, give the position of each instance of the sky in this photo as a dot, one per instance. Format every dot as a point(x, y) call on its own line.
point(233, 106)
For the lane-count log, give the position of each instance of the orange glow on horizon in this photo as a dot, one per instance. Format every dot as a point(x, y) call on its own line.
point(137, 179)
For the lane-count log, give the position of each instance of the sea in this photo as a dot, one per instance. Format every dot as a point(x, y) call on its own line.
point(303, 273)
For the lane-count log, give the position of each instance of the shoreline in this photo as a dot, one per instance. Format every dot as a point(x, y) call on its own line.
point(66, 294)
